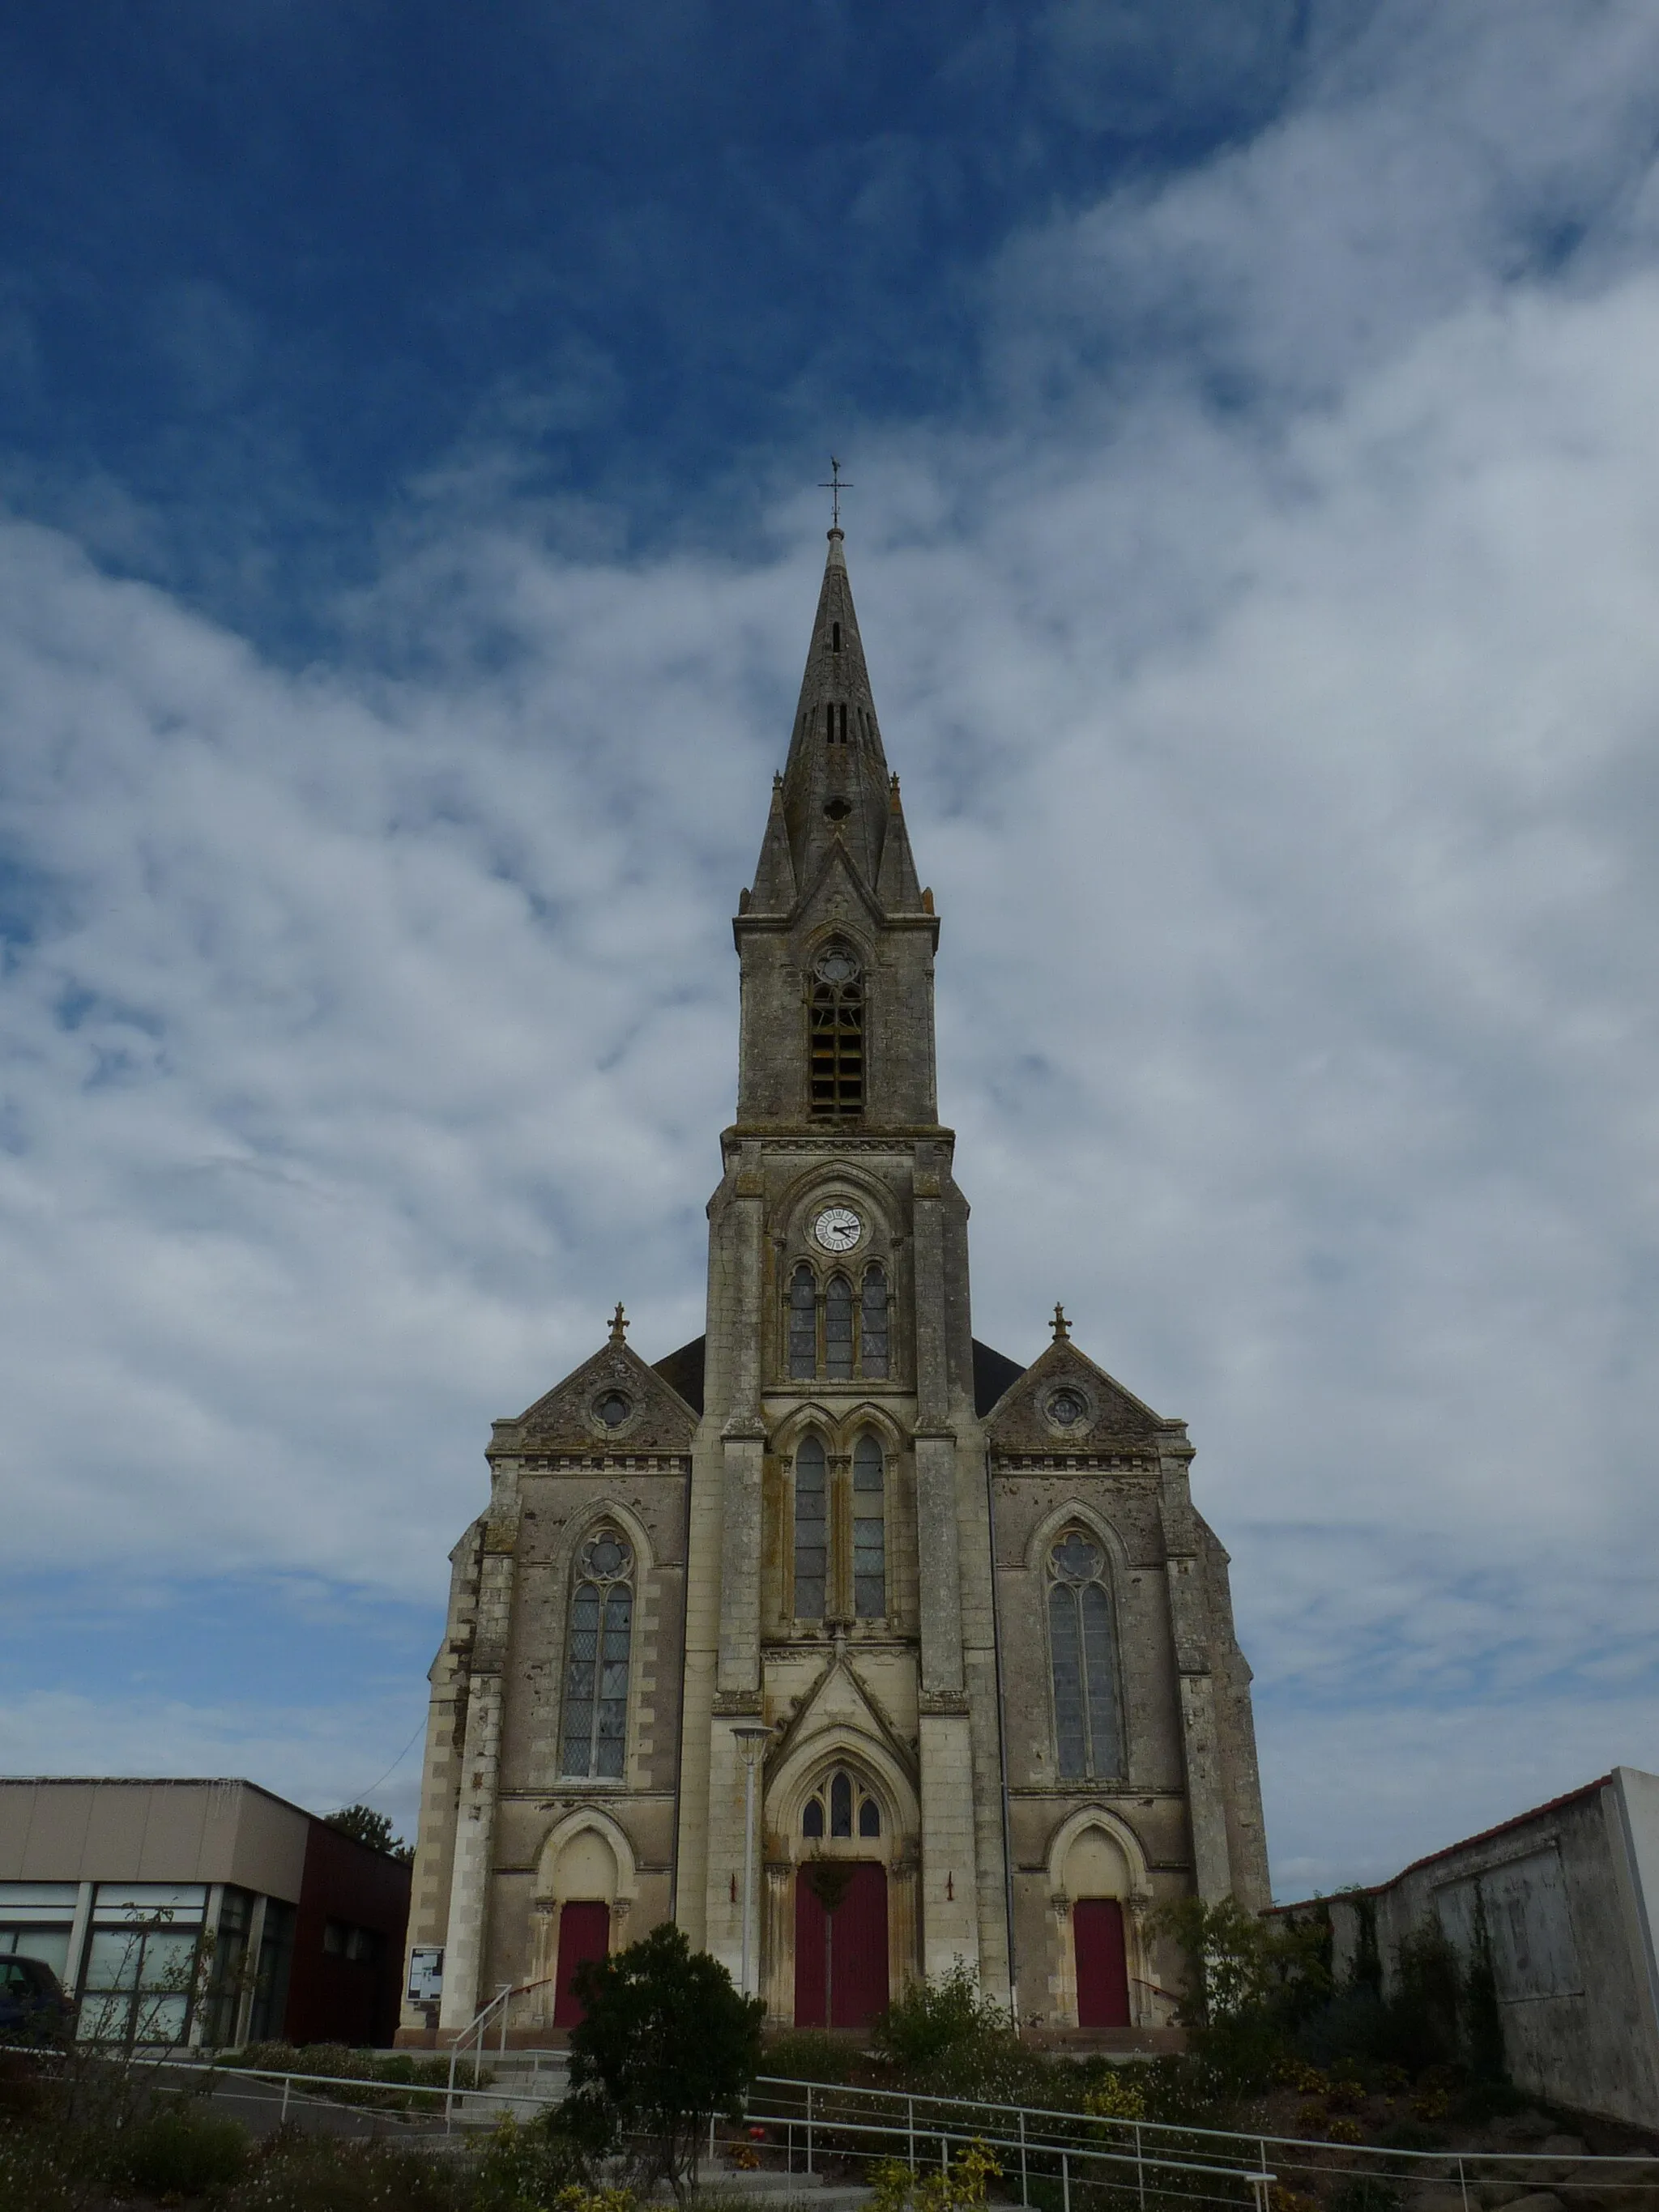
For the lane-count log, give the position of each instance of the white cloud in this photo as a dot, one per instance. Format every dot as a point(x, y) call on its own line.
point(1285, 776)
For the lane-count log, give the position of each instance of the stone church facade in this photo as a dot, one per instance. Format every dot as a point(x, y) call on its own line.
point(950, 1625)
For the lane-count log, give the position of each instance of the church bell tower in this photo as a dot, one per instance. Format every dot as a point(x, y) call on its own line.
point(831, 1492)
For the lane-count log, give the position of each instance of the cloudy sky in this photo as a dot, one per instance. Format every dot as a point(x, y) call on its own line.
point(410, 424)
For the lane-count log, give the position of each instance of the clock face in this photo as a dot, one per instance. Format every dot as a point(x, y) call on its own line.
point(838, 1229)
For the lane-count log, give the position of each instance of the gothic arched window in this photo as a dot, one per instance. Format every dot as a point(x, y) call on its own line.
point(869, 1532)
point(837, 1033)
point(838, 1329)
point(595, 1729)
point(811, 1529)
point(872, 1346)
point(1083, 1659)
point(839, 1806)
point(803, 1321)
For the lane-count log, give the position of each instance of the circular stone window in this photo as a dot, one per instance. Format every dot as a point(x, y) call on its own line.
point(613, 1409)
point(1066, 1408)
point(605, 1557)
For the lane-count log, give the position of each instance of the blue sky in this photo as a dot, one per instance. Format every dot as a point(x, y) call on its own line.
point(409, 426)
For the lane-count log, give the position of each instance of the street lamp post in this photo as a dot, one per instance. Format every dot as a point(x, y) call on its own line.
point(752, 1737)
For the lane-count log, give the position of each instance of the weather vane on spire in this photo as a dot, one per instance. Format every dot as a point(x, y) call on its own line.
point(835, 484)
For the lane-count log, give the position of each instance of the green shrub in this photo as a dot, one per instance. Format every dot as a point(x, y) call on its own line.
point(811, 2054)
point(664, 2044)
point(536, 2163)
point(178, 2151)
point(322, 2174)
point(33, 2180)
point(938, 2015)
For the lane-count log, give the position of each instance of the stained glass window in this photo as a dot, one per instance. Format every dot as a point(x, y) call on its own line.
point(594, 1735)
point(1083, 1659)
point(872, 1352)
point(869, 1532)
point(840, 1795)
point(811, 1529)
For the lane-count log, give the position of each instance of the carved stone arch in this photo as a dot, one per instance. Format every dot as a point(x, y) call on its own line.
point(562, 1566)
point(822, 1181)
point(1040, 1541)
point(564, 1832)
point(582, 1525)
point(534, 2006)
point(794, 1424)
point(1116, 1826)
point(825, 931)
point(798, 1773)
point(1145, 2008)
point(1076, 1512)
point(803, 1766)
point(852, 1420)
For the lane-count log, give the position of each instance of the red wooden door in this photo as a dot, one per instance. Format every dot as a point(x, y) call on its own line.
point(584, 1934)
point(840, 1957)
point(1102, 1974)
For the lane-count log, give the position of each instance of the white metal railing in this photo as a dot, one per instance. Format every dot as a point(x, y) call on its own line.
point(824, 2114)
point(1038, 2142)
point(1039, 2139)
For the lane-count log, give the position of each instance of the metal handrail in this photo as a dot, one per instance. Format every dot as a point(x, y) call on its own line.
point(1251, 2141)
point(289, 2076)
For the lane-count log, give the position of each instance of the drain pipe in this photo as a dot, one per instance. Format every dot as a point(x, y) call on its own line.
point(1002, 1740)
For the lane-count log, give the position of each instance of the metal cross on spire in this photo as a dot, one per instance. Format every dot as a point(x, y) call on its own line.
point(835, 484)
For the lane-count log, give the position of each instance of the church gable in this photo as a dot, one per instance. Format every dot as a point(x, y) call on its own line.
point(613, 1403)
point(1063, 1403)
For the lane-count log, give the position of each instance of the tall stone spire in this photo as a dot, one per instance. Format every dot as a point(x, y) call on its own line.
point(836, 783)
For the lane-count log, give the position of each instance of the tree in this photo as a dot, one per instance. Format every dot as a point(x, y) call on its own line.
point(665, 2044)
point(372, 1828)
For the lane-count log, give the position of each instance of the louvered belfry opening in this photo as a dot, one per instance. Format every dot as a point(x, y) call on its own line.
point(837, 1034)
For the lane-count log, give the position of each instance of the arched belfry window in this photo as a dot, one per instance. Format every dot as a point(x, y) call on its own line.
point(869, 1531)
point(837, 1033)
point(803, 1323)
point(1083, 1656)
point(595, 1719)
point(811, 1527)
point(840, 1809)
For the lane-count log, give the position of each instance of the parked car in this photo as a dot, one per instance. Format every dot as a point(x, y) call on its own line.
point(32, 2006)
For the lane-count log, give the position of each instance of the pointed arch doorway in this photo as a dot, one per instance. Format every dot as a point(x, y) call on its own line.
point(841, 1942)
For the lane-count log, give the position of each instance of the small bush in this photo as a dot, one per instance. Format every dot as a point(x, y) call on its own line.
point(942, 2015)
point(176, 2152)
point(535, 2162)
point(33, 2180)
point(811, 2054)
point(319, 2173)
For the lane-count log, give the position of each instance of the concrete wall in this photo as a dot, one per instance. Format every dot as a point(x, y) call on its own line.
point(1567, 1894)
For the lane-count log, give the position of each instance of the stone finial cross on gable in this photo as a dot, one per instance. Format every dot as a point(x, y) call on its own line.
point(835, 484)
point(1062, 1326)
point(618, 1324)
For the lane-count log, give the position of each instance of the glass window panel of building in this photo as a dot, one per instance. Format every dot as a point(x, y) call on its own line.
point(837, 1807)
point(869, 1531)
point(593, 1736)
point(1083, 1660)
point(811, 1529)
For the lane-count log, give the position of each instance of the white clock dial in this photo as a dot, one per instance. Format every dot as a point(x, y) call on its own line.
point(838, 1229)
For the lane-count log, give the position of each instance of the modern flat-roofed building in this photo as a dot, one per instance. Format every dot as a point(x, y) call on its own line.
point(201, 1912)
